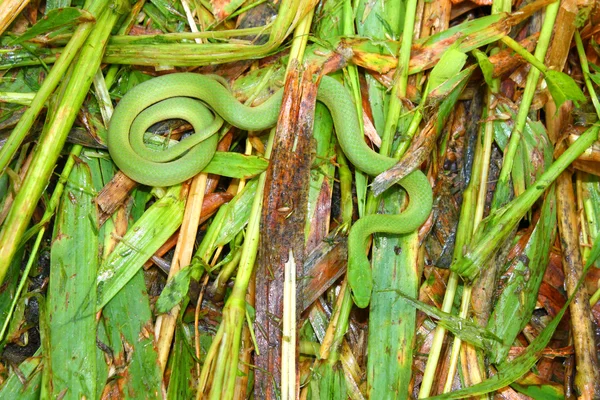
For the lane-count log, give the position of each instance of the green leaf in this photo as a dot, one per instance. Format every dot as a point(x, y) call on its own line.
point(392, 321)
point(449, 93)
point(512, 312)
point(541, 390)
point(181, 364)
point(229, 221)
point(327, 382)
point(140, 242)
point(562, 88)
point(508, 372)
point(486, 66)
point(464, 329)
point(229, 164)
point(595, 76)
point(72, 291)
point(54, 20)
point(177, 287)
point(54, 4)
point(594, 254)
point(14, 388)
point(447, 68)
point(236, 165)
point(513, 370)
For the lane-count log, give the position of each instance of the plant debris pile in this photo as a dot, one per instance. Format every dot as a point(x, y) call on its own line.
point(247, 280)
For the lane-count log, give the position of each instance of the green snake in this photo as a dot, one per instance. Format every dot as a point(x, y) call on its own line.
point(171, 96)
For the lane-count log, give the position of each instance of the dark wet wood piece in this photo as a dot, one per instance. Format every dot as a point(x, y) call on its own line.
point(113, 195)
point(282, 225)
point(324, 265)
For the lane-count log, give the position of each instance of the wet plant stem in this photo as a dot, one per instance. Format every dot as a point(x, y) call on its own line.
point(588, 83)
point(526, 99)
point(503, 221)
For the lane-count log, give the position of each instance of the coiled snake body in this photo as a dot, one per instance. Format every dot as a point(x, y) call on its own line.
point(171, 96)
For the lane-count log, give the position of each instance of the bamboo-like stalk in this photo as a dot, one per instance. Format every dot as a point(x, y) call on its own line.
point(9, 10)
point(247, 346)
point(556, 58)
point(222, 357)
point(586, 75)
point(587, 372)
point(336, 349)
point(475, 194)
point(479, 179)
point(211, 53)
point(183, 255)
point(500, 195)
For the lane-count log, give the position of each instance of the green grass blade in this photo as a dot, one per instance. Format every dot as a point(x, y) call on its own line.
point(236, 165)
point(101, 364)
point(534, 153)
point(55, 20)
point(509, 372)
point(466, 330)
point(50, 83)
point(511, 313)
point(447, 95)
point(539, 389)
point(178, 286)
point(54, 4)
point(71, 292)
point(591, 203)
point(13, 388)
point(594, 254)
point(327, 383)
point(181, 364)
point(392, 319)
point(140, 242)
point(321, 175)
point(9, 289)
point(127, 322)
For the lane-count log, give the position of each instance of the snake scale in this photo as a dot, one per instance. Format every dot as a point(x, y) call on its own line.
point(176, 96)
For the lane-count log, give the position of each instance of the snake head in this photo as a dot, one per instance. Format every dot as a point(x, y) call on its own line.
point(360, 281)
